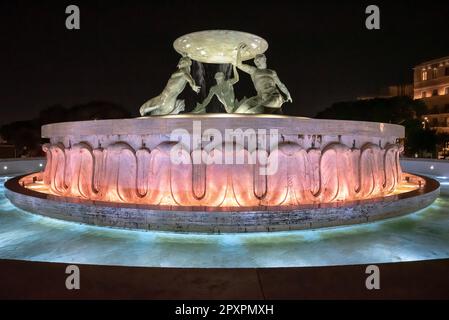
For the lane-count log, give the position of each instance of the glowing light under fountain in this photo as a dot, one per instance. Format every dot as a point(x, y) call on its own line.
point(121, 172)
point(307, 170)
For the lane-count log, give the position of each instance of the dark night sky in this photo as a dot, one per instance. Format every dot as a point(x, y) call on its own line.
point(123, 52)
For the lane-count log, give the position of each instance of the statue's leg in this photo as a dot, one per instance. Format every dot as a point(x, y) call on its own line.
point(200, 108)
point(273, 103)
point(243, 108)
point(149, 106)
point(179, 106)
point(165, 106)
point(251, 105)
point(273, 100)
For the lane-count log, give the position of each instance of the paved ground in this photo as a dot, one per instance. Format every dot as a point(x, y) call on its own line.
point(35, 280)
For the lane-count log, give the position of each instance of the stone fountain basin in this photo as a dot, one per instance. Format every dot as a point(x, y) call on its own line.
point(118, 173)
point(310, 161)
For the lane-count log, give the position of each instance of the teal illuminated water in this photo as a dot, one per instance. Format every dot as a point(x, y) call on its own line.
point(419, 236)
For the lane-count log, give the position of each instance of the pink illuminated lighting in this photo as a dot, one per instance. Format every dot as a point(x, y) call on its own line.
point(120, 173)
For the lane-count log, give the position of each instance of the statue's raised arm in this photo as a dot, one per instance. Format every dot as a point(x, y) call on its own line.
point(236, 76)
point(244, 67)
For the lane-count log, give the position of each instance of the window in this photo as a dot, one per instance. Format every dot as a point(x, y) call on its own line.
point(446, 91)
point(434, 73)
point(446, 71)
point(423, 94)
point(424, 75)
point(435, 92)
point(446, 108)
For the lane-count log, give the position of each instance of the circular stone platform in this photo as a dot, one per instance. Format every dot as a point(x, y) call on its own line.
point(166, 218)
point(294, 173)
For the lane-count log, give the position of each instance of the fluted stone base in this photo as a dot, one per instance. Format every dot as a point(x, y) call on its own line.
point(140, 161)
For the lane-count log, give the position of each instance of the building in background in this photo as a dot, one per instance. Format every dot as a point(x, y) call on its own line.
point(401, 90)
point(431, 84)
point(398, 90)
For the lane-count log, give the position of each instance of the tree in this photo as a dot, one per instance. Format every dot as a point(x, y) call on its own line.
point(97, 110)
point(26, 135)
point(419, 140)
point(398, 110)
point(443, 142)
point(388, 110)
point(52, 114)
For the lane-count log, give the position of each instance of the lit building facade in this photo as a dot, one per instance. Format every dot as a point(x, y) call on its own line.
point(431, 84)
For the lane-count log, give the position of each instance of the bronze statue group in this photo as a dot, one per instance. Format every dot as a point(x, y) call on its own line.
point(271, 92)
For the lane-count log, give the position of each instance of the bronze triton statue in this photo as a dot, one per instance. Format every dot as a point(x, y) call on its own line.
point(266, 82)
point(223, 90)
point(220, 47)
point(166, 102)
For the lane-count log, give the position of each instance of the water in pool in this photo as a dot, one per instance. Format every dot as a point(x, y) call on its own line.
point(418, 236)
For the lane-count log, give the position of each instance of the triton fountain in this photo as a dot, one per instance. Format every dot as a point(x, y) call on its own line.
point(250, 169)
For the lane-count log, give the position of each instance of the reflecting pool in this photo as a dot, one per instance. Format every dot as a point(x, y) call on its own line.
point(418, 236)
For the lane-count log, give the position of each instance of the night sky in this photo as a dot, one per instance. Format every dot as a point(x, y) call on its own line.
point(123, 52)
